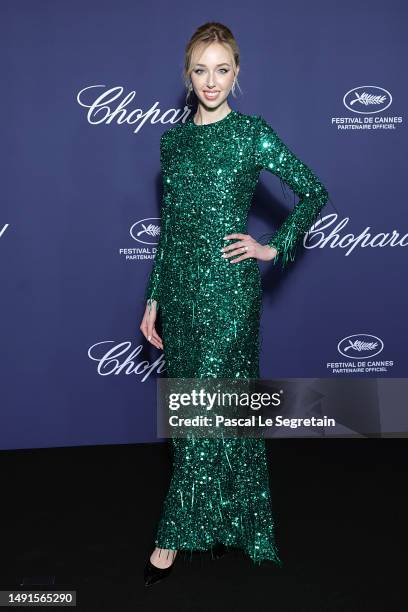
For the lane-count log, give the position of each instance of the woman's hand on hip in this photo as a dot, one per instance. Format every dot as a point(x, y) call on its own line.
point(148, 325)
point(246, 247)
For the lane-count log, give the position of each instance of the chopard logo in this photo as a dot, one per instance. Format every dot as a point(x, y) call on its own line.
point(109, 107)
point(113, 358)
point(146, 232)
point(3, 229)
point(322, 234)
point(360, 346)
point(367, 99)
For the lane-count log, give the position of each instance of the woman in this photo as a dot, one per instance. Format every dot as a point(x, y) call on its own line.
point(206, 282)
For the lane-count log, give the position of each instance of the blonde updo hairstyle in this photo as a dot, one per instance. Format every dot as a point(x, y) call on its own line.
point(205, 35)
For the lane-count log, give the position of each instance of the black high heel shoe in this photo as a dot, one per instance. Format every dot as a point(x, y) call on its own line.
point(153, 574)
point(219, 550)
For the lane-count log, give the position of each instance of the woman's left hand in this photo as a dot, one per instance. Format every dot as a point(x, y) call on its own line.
point(246, 247)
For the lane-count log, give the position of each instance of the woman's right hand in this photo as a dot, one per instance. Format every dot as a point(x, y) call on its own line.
point(147, 326)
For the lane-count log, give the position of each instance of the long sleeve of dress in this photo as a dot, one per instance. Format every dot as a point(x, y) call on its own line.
point(154, 284)
point(273, 155)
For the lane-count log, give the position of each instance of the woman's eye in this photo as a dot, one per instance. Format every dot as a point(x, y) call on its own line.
point(223, 70)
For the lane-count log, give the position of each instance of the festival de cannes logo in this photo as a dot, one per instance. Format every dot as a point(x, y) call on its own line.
point(367, 99)
point(145, 231)
point(360, 346)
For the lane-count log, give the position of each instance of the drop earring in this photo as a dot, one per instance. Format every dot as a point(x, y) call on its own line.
point(189, 91)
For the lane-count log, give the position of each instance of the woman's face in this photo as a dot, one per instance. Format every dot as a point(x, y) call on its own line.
point(213, 72)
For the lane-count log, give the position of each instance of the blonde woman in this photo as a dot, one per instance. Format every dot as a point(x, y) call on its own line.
point(206, 283)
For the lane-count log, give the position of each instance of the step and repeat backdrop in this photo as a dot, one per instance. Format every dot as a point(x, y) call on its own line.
point(87, 90)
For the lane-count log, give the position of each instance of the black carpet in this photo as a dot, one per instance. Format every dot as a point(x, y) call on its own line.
point(84, 519)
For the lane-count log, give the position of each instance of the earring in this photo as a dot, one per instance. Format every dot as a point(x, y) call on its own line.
point(189, 91)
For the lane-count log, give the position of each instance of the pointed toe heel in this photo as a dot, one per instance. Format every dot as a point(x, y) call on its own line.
point(153, 574)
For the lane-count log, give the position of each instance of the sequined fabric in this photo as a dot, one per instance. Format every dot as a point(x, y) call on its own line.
point(210, 310)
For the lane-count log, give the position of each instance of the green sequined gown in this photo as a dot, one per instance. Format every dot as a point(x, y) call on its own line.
point(210, 310)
